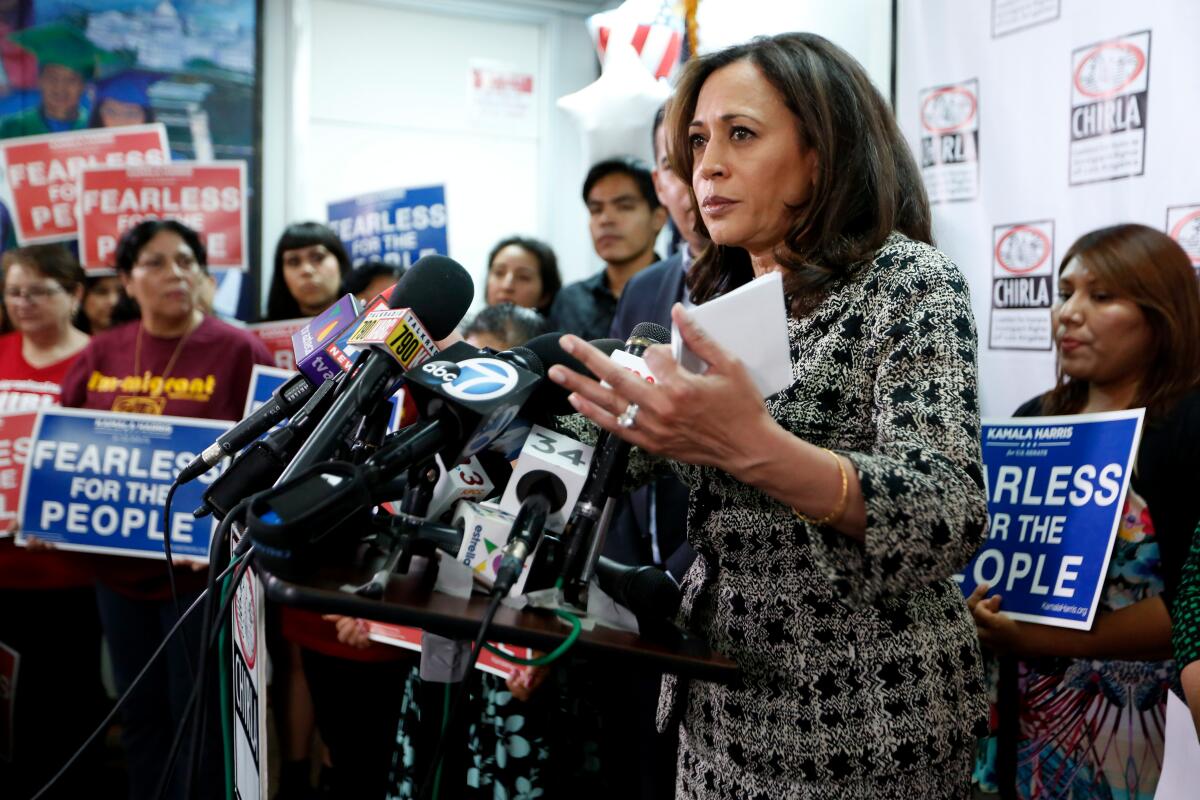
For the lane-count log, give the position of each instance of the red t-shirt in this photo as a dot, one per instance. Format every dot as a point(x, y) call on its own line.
point(24, 387)
point(208, 379)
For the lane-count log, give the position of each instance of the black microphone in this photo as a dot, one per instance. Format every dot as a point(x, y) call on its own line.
point(284, 402)
point(648, 592)
point(437, 291)
point(603, 482)
point(258, 466)
point(541, 496)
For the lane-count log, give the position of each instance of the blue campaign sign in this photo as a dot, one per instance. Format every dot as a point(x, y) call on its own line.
point(96, 481)
point(263, 381)
point(1056, 488)
point(397, 226)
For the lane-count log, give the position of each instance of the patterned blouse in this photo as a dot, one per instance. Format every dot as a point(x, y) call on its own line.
point(1185, 616)
point(859, 662)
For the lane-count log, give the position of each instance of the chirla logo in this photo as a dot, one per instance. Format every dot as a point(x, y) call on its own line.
point(1108, 69)
point(1183, 225)
point(1022, 270)
point(948, 109)
point(1109, 102)
point(949, 118)
point(1022, 250)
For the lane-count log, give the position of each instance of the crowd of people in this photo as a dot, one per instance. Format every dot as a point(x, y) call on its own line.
point(814, 535)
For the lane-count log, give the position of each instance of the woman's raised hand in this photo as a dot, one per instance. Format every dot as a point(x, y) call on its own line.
point(712, 419)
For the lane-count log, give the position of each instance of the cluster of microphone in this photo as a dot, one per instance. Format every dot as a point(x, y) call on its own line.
point(317, 473)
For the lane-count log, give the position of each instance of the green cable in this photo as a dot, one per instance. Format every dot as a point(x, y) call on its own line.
point(226, 700)
point(554, 655)
point(437, 776)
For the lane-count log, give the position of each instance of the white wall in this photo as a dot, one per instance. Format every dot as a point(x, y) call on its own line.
point(862, 27)
point(366, 95)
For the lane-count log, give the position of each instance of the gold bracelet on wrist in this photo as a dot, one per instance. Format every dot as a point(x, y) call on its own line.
point(839, 510)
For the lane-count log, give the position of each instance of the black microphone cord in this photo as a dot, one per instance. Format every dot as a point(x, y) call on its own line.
point(103, 726)
point(187, 651)
point(206, 645)
point(427, 785)
point(214, 557)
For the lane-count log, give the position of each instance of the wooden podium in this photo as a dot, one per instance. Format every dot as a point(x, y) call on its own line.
point(410, 600)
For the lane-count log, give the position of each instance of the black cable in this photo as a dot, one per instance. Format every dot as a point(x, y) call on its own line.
point(124, 697)
point(190, 708)
point(214, 554)
point(187, 651)
point(456, 709)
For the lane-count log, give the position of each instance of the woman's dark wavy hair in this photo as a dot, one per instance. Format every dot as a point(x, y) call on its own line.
point(867, 184)
point(547, 265)
point(130, 247)
point(1149, 268)
point(280, 303)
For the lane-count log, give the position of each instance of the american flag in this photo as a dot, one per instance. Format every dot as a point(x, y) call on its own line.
point(659, 42)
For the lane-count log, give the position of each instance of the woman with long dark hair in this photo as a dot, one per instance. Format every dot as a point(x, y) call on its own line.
point(522, 271)
point(1079, 707)
point(829, 519)
point(310, 267)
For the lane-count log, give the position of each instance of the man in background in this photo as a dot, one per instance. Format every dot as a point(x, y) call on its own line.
point(625, 217)
point(649, 525)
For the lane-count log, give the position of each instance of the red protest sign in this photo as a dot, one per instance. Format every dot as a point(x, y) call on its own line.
point(277, 336)
point(15, 431)
point(209, 198)
point(42, 173)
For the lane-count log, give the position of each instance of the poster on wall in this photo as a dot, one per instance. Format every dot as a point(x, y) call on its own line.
point(498, 91)
point(397, 226)
point(1109, 105)
point(208, 198)
point(187, 65)
point(1183, 225)
point(1010, 16)
point(950, 141)
point(1022, 286)
point(42, 173)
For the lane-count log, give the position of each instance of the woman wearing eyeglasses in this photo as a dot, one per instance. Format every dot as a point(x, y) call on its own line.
point(43, 285)
point(172, 360)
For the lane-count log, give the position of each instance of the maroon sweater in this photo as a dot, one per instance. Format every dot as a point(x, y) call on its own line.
point(208, 380)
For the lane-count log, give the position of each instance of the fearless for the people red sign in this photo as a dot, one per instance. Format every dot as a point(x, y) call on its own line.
point(42, 173)
point(210, 198)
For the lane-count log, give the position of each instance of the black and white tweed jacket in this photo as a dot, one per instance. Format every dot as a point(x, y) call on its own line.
point(859, 662)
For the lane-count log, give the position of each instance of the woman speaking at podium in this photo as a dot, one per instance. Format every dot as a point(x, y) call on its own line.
point(829, 519)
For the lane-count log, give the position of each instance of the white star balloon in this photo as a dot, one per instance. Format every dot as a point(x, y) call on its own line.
point(653, 27)
point(615, 114)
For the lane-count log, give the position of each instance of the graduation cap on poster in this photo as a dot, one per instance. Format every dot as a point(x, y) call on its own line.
point(61, 43)
point(127, 86)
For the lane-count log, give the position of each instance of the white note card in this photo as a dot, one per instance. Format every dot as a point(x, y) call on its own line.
point(751, 323)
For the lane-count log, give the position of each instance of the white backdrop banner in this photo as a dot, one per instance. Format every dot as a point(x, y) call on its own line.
point(1031, 121)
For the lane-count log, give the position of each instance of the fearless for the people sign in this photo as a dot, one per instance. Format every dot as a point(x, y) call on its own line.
point(96, 481)
point(209, 198)
point(1056, 489)
point(43, 171)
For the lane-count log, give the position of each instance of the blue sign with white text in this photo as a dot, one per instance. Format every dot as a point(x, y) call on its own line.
point(97, 481)
point(1056, 488)
point(397, 226)
point(265, 380)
